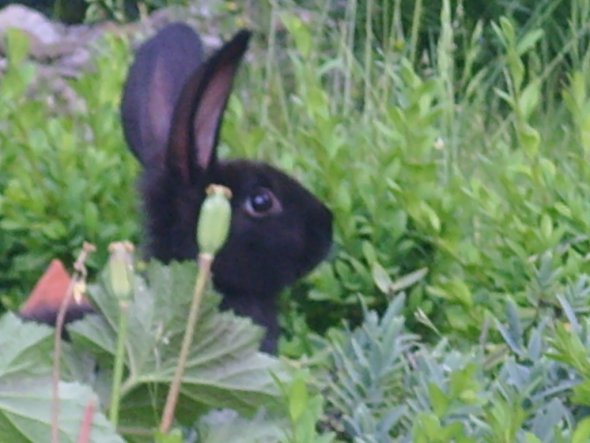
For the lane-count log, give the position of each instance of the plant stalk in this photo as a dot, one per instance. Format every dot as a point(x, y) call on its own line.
point(78, 277)
point(55, 375)
point(86, 426)
point(119, 363)
point(205, 261)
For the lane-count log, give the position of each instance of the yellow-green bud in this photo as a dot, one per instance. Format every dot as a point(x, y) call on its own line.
point(214, 220)
point(121, 269)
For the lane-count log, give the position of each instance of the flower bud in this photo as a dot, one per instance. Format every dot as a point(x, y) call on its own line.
point(121, 269)
point(214, 220)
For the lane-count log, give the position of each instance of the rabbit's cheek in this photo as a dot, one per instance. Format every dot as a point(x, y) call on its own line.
point(239, 272)
point(318, 239)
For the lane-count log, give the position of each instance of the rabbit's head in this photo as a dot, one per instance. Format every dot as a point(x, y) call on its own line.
point(172, 110)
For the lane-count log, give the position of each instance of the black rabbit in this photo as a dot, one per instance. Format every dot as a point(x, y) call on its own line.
point(172, 110)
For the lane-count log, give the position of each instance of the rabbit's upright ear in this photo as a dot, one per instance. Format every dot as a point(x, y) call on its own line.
point(161, 68)
point(198, 114)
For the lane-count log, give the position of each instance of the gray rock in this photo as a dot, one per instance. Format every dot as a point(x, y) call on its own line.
point(43, 33)
point(60, 52)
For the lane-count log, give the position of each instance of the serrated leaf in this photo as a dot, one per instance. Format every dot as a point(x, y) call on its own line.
point(25, 412)
point(26, 347)
point(224, 369)
point(227, 426)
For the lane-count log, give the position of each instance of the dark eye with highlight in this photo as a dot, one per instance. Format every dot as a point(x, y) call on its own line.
point(262, 202)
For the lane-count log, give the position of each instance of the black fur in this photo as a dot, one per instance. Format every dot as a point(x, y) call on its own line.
point(172, 110)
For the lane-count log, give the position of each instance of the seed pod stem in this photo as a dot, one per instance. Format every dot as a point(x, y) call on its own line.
point(121, 280)
point(212, 231)
point(205, 261)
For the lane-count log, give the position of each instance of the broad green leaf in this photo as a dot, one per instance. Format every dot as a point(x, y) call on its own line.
point(25, 412)
point(224, 370)
point(25, 348)
point(227, 426)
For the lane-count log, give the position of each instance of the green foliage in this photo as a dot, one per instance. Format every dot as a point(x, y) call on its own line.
point(225, 369)
point(366, 379)
point(66, 175)
point(452, 142)
point(531, 388)
point(304, 411)
point(468, 172)
point(25, 389)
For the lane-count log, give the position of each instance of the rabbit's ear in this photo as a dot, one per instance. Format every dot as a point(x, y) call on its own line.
point(162, 66)
point(198, 115)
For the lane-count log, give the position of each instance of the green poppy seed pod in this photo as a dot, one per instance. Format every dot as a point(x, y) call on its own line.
point(121, 269)
point(214, 220)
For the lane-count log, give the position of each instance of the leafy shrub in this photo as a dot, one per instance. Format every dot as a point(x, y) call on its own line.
point(468, 174)
point(67, 176)
point(385, 386)
point(378, 382)
point(448, 178)
point(456, 180)
point(460, 181)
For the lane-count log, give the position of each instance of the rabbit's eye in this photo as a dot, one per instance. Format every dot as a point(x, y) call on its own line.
point(262, 202)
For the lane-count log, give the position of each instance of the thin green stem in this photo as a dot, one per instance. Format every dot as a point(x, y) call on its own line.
point(368, 59)
point(205, 261)
point(416, 20)
point(119, 363)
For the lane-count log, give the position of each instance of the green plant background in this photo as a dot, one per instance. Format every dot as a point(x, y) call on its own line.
point(450, 141)
point(462, 154)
